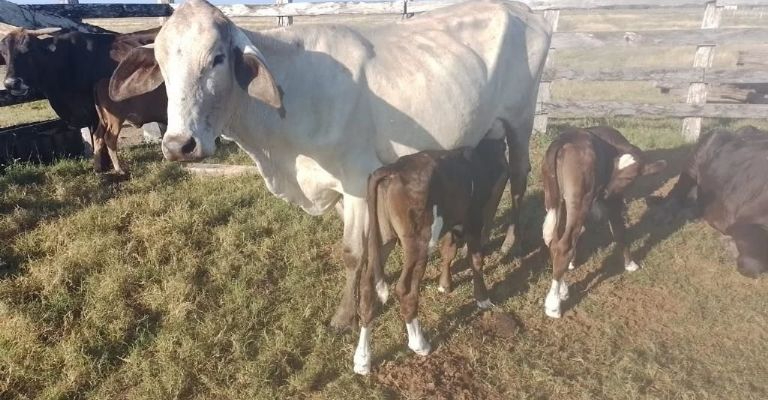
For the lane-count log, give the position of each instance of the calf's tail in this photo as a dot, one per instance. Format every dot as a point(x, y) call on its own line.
point(553, 201)
point(374, 235)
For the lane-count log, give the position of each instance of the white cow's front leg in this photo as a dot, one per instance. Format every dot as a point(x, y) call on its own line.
point(355, 224)
point(416, 340)
point(362, 357)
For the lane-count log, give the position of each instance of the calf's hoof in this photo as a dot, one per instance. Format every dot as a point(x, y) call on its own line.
point(485, 304)
point(631, 266)
point(342, 323)
point(416, 340)
point(553, 313)
point(571, 267)
point(362, 363)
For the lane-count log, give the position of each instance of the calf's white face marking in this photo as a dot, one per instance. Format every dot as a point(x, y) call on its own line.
point(550, 223)
point(626, 160)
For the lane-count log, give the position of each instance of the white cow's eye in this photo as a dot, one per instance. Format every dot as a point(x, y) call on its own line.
point(218, 59)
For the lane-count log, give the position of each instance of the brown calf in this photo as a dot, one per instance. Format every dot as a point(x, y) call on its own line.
point(584, 168)
point(417, 200)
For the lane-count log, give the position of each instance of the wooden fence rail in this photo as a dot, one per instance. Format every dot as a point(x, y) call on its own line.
point(697, 79)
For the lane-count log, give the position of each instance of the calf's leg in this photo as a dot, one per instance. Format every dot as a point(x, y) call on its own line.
point(561, 250)
point(475, 258)
point(362, 357)
point(416, 251)
point(615, 208)
point(448, 249)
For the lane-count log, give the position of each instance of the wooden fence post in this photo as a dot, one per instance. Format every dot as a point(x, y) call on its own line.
point(697, 91)
point(545, 94)
point(284, 21)
point(162, 20)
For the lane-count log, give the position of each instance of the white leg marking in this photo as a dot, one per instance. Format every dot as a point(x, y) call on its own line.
point(437, 227)
point(631, 266)
point(416, 340)
point(362, 357)
point(571, 267)
point(563, 290)
point(552, 302)
point(550, 223)
point(485, 304)
point(441, 289)
point(626, 160)
point(382, 290)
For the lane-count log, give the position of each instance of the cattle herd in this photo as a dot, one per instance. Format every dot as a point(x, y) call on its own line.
point(410, 131)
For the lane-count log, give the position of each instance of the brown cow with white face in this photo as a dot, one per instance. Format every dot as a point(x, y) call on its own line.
point(584, 168)
point(417, 200)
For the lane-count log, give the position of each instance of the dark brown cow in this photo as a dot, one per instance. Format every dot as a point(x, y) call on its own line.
point(416, 200)
point(73, 69)
point(582, 169)
point(727, 175)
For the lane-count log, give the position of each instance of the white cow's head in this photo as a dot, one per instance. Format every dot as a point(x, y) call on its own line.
point(207, 64)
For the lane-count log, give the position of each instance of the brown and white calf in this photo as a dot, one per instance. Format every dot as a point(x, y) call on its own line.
point(582, 169)
point(417, 200)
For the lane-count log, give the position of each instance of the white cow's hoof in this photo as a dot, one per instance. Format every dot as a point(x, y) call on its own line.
point(631, 266)
point(571, 267)
point(485, 304)
point(382, 290)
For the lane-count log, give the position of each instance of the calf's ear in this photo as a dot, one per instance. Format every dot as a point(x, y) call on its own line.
point(254, 76)
point(654, 167)
point(137, 74)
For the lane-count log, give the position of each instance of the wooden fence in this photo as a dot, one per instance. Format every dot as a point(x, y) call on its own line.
point(695, 80)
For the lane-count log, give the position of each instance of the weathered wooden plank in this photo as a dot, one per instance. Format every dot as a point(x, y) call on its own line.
point(310, 9)
point(742, 3)
point(6, 99)
point(681, 110)
point(201, 169)
point(81, 11)
point(681, 37)
point(39, 142)
point(753, 58)
point(697, 91)
point(540, 121)
point(670, 76)
point(542, 5)
point(24, 17)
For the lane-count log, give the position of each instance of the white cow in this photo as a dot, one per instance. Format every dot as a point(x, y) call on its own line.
point(318, 108)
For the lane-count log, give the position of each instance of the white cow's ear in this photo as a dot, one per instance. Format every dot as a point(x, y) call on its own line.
point(254, 76)
point(137, 74)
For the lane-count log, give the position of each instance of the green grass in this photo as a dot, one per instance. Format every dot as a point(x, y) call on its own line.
point(172, 286)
